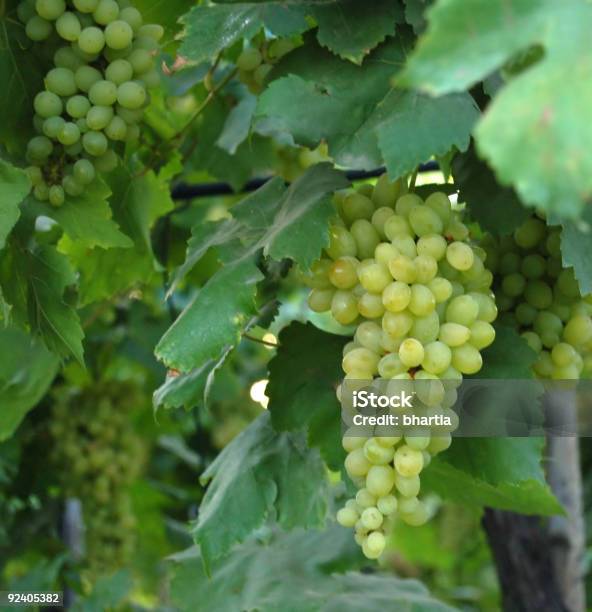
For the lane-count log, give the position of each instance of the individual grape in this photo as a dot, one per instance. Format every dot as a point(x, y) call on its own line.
point(60, 81)
point(94, 143)
point(41, 192)
point(85, 6)
point(425, 221)
point(387, 504)
point(68, 26)
point(131, 95)
point(356, 463)
point(422, 301)
point(69, 134)
point(374, 545)
point(118, 34)
point(106, 12)
point(48, 104)
point(117, 129)
point(373, 276)
point(397, 324)
point(344, 307)
point(107, 161)
point(463, 310)
point(56, 195)
point(119, 71)
point(371, 518)
point(378, 454)
point(103, 93)
point(365, 236)
point(460, 256)
point(482, 334)
point(84, 171)
point(39, 148)
point(50, 9)
point(396, 296)
point(402, 268)
point(91, 40)
point(25, 11)
point(408, 461)
point(466, 359)
point(77, 106)
point(132, 16)
point(380, 479)
point(85, 77)
point(38, 29)
point(384, 252)
point(151, 30)
point(72, 186)
point(249, 59)
point(130, 116)
point(437, 357)
point(98, 117)
point(411, 352)
point(347, 517)
point(343, 273)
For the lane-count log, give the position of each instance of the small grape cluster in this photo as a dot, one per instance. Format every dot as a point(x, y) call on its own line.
point(402, 271)
point(94, 95)
point(541, 298)
point(254, 63)
point(98, 455)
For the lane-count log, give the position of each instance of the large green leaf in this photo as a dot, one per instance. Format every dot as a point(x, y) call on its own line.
point(496, 208)
point(87, 218)
point(136, 203)
point(502, 473)
point(21, 74)
point(294, 572)
point(303, 377)
point(351, 29)
point(210, 29)
point(427, 126)
point(14, 186)
point(26, 372)
point(312, 99)
point(259, 471)
point(214, 319)
point(537, 131)
point(576, 246)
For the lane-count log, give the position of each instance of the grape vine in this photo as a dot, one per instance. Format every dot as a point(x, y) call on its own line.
point(103, 66)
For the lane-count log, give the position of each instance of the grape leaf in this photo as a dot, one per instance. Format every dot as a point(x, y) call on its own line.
point(237, 125)
point(496, 208)
point(86, 218)
point(14, 186)
point(509, 357)
point(26, 372)
point(312, 99)
point(351, 29)
point(189, 389)
point(214, 319)
point(260, 470)
point(210, 29)
point(108, 591)
point(293, 572)
point(428, 127)
point(21, 73)
point(136, 205)
point(576, 245)
point(502, 473)
point(536, 131)
point(303, 376)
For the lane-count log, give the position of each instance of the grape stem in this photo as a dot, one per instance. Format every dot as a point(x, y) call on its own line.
point(261, 341)
point(412, 180)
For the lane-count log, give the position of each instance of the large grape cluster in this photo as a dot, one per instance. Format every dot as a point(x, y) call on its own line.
point(541, 298)
point(402, 271)
point(255, 62)
point(98, 455)
point(95, 93)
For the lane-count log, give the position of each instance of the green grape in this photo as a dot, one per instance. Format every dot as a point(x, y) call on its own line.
point(466, 359)
point(150, 79)
point(118, 34)
point(482, 334)
point(68, 26)
point(131, 95)
point(91, 40)
point(249, 59)
point(65, 57)
point(411, 352)
point(48, 104)
point(422, 301)
point(94, 143)
point(379, 218)
point(60, 81)
point(77, 106)
point(85, 77)
point(396, 296)
point(454, 334)
point(132, 16)
point(530, 233)
point(538, 294)
point(460, 256)
point(377, 454)
point(41, 192)
point(50, 9)
point(84, 171)
point(151, 30)
point(369, 335)
point(366, 238)
point(56, 195)
point(343, 273)
point(107, 161)
point(408, 461)
point(103, 93)
point(320, 300)
point(39, 148)
point(69, 134)
point(356, 206)
point(98, 117)
point(397, 324)
point(356, 463)
point(72, 186)
point(437, 357)
point(106, 12)
point(441, 289)
point(425, 221)
point(74, 149)
point(119, 71)
point(25, 11)
point(384, 252)
point(440, 204)
point(35, 175)
point(360, 360)
point(38, 29)
point(117, 129)
point(370, 305)
point(373, 276)
point(402, 268)
point(347, 517)
point(426, 268)
point(344, 307)
point(405, 245)
point(380, 479)
point(85, 6)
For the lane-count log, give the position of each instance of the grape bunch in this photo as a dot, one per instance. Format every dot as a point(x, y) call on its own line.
point(98, 455)
point(541, 298)
point(95, 93)
point(255, 62)
point(403, 272)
